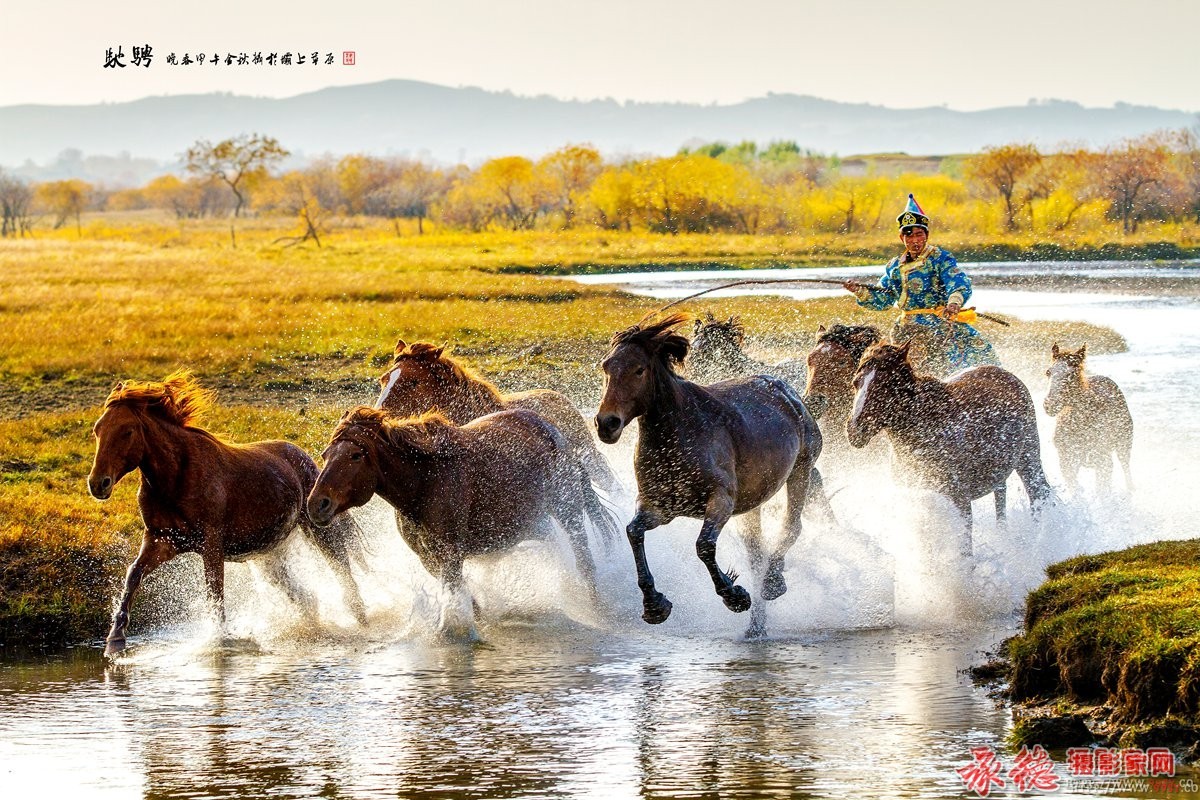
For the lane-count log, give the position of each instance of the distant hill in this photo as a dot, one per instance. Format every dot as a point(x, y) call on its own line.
point(465, 124)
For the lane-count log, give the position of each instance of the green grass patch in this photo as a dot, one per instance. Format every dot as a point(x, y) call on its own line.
point(1121, 629)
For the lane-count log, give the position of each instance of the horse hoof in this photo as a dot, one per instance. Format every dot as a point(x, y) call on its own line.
point(737, 599)
point(774, 586)
point(657, 612)
point(114, 648)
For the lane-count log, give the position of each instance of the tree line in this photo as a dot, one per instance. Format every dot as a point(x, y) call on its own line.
point(734, 188)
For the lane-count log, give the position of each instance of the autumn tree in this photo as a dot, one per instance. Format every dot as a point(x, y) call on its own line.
point(16, 202)
point(64, 200)
point(298, 192)
point(234, 161)
point(568, 173)
point(610, 199)
point(1125, 175)
point(511, 190)
point(409, 191)
point(1002, 170)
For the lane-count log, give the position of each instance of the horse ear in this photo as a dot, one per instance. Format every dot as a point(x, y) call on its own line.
point(438, 353)
point(904, 347)
point(1083, 350)
point(820, 328)
point(1054, 351)
point(698, 325)
point(400, 345)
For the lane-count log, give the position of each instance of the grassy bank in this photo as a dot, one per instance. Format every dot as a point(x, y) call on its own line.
point(290, 338)
point(1115, 639)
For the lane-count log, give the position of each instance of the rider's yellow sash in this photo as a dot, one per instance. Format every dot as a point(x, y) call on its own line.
point(966, 315)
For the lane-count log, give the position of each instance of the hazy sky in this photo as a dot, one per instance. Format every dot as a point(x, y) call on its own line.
point(960, 53)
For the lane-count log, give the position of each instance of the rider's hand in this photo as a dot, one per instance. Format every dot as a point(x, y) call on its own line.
point(951, 311)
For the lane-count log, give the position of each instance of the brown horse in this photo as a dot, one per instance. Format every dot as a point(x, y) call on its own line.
point(200, 494)
point(1093, 420)
point(961, 438)
point(422, 378)
point(829, 392)
point(706, 453)
point(717, 354)
point(459, 491)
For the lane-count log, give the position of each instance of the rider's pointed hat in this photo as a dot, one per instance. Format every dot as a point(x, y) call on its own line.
point(912, 216)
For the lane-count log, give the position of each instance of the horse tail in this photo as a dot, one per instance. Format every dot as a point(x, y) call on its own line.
point(603, 519)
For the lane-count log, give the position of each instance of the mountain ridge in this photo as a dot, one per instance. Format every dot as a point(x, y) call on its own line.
point(468, 124)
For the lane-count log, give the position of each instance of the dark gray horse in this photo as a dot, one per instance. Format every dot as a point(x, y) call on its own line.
point(706, 452)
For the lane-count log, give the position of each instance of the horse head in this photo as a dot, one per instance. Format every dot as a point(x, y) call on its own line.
point(883, 381)
point(639, 368)
point(418, 379)
point(832, 363)
point(121, 432)
point(373, 452)
point(120, 447)
point(350, 474)
point(1066, 377)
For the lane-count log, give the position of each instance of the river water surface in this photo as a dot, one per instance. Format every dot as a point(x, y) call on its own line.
point(857, 691)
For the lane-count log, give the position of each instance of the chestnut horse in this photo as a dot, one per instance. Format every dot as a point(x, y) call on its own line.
point(716, 354)
point(829, 391)
point(200, 494)
point(422, 378)
point(459, 491)
point(1093, 420)
point(706, 453)
point(962, 437)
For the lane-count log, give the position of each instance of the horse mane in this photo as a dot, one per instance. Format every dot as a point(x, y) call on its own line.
point(467, 380)
point(855, 338)
point(178, 398)
point(425, 435)
point(660, 339)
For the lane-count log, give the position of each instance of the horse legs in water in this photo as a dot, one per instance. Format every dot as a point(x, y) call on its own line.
point(276, 571)
point(1104, 473)
point(1123, 456)
point(655, 606)
point(967, 520)
point(1000, 495)
point(720, 507)
point(570, 516)
point(750, 526)
point(802, 480)
point(153, 553)
point(334, 543)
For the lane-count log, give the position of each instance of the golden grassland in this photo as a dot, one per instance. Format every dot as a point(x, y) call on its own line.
point(293, 336)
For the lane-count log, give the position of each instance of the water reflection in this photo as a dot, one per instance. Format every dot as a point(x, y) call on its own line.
point(541, 712)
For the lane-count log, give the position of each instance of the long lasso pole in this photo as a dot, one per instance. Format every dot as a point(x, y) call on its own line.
point(762, 281)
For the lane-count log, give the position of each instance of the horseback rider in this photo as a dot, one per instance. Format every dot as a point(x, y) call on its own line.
point(927, 285)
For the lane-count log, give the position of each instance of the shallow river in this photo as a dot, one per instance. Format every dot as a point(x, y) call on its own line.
point(858, 691)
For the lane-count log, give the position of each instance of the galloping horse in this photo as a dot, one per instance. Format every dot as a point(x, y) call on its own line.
point(706, 453)
point(422, 378)
point(1093, 420)
point(202, 495)
point(716, 354)
point(961, 438)
point(459, 491)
